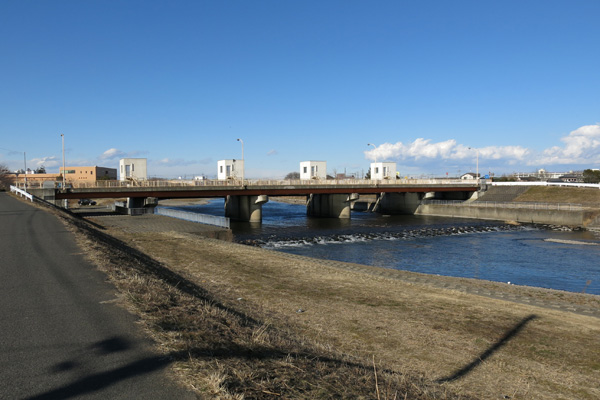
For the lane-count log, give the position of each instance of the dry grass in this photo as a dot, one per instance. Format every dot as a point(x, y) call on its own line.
point(241, 322)
point(228, 351)
point(553, 194)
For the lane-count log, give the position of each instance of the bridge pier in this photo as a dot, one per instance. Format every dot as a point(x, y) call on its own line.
point(399, 203)
point(330, 205)
point(245, 208)
point(138, 206)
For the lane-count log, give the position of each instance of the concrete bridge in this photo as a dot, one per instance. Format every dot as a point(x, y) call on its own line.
point(329, 198)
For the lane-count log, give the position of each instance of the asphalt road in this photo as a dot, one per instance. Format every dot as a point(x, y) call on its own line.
point(61, 334)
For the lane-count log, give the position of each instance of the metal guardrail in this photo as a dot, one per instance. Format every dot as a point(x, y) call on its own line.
point(222, 222)
point(499, 204)
point(21, 192)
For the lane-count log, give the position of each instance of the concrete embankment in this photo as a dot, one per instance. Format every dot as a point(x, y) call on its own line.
point(569, 206)
point(576, 218)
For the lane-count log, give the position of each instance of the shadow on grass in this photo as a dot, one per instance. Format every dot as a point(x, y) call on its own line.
point(99, 381)
point(489, 352)
point(317, 366)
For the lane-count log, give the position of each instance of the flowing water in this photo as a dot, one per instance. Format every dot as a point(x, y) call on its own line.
point(532, 255)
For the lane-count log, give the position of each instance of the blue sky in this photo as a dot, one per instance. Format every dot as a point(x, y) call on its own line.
point(177, 82)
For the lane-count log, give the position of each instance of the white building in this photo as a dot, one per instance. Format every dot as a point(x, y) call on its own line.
point(469, 176)
point(229, 169)
point(383, 170)
point(133, 169)
point(313, 170)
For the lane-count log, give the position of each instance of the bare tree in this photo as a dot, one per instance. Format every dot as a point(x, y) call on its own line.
point(293, 176)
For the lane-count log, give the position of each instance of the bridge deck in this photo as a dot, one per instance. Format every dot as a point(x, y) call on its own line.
point(254, 189)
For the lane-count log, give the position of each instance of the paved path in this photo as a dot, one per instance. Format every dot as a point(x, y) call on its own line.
point(61, 334)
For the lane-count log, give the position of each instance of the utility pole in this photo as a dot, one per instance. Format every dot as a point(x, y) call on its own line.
point(243, 163)
point(477, 164)
point(25, 163)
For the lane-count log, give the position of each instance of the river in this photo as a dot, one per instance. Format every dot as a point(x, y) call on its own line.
point(532, 255)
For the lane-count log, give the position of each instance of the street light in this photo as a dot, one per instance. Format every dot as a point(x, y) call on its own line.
point(62, 135)
point(243, 163)
point(477, 163)
point(375, 147)
point(371, 171)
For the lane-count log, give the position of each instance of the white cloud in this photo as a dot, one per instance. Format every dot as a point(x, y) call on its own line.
point(169, 162)
point(424, 150)
point(579, 149)
point(582, 146)
point(272, 153)
point(111, 154)
point(47, 162)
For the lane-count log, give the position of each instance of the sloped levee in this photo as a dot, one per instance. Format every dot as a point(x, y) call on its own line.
point(502, 193)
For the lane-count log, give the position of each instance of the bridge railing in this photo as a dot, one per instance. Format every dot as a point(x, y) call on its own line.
point(499, 204)
point(251, 183)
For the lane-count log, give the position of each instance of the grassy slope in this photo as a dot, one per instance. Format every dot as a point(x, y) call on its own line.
point(551, 194)
point(244, 335)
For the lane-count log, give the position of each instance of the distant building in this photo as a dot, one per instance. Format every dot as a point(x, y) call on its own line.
point(572, 178)
point(469, 176)
point(229, 169)
point(133, 169)
point(543, 175)
point(313, 170)
point(383, 170)
point(88, 174)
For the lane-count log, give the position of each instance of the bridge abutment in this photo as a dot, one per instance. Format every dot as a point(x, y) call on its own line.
point(245, 208)
point(137, 206)
point(330, 205)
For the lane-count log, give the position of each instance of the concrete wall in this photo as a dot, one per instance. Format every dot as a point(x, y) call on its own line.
point(554, 217)
point(45, 194)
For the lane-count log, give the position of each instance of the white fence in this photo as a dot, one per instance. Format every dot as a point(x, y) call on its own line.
point(21, 192)
point(222, 222)
point(568, 184)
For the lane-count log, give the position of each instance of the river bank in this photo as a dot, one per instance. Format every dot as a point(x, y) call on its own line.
point(429, 329)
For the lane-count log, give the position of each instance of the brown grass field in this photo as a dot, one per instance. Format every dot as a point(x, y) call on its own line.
point(557, 194)
point(241, 322)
